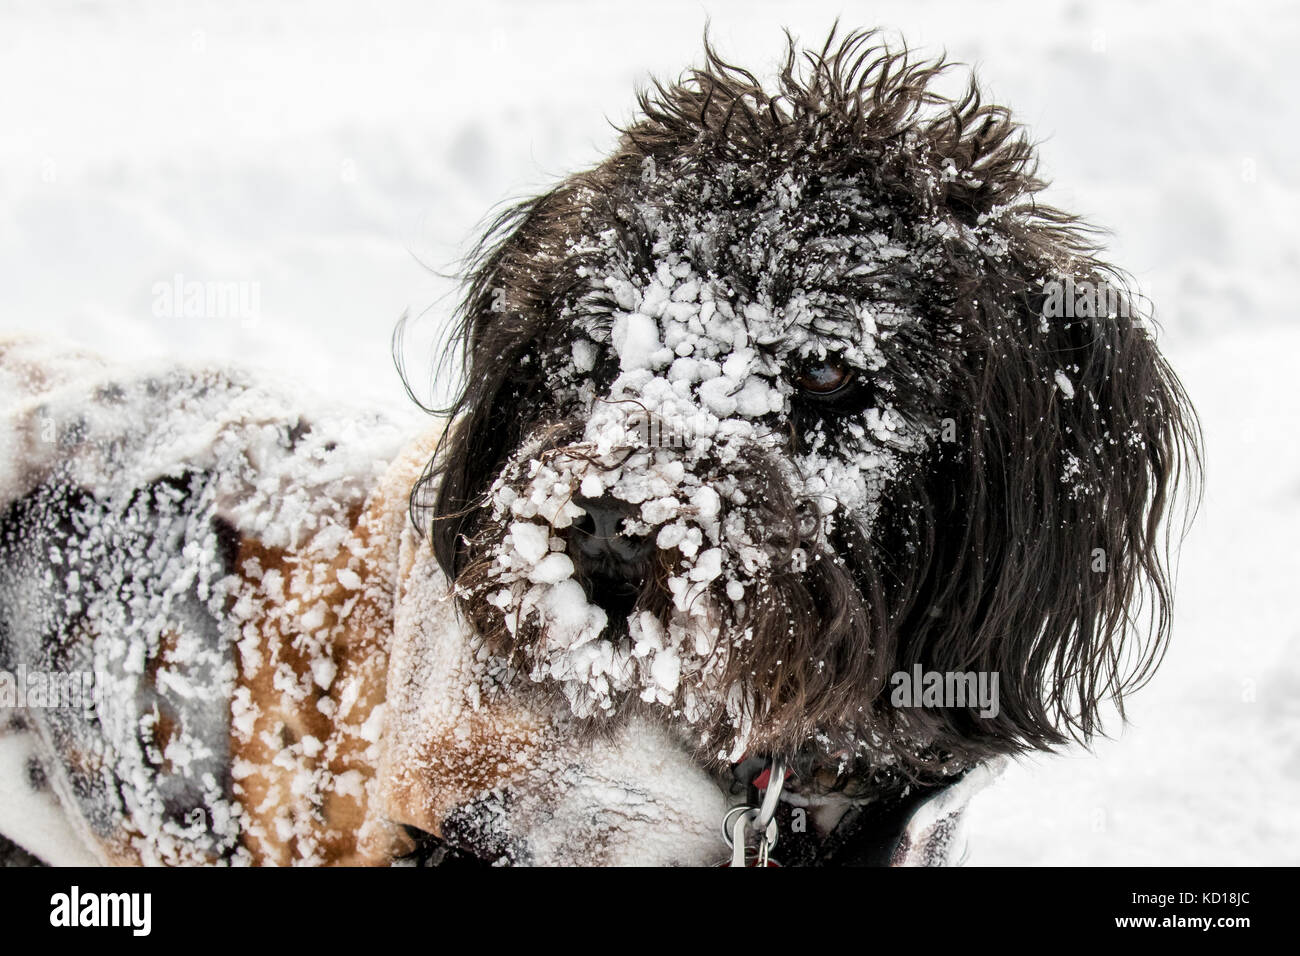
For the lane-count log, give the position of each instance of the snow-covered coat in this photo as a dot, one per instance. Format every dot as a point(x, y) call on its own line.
point(221, 640)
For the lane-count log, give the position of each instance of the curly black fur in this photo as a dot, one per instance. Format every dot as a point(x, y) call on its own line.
point(983, 558)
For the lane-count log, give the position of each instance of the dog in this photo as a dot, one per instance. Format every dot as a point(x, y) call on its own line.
point(799, 396)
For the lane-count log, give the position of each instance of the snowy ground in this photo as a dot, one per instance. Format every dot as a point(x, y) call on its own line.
point(334, 160)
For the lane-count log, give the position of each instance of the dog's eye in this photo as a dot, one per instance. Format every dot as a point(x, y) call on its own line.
point(824, 377)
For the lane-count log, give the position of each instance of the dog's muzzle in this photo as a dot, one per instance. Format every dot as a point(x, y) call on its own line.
point(613, 563)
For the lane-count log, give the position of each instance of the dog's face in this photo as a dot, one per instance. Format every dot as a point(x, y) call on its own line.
point(767, 407)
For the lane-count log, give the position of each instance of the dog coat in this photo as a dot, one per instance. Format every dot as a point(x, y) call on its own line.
point(222, 641)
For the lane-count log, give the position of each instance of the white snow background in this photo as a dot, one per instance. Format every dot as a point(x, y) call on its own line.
point(329, 153)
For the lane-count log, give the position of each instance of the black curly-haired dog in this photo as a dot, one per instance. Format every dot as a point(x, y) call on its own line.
point(794, 417)
point(833, 299)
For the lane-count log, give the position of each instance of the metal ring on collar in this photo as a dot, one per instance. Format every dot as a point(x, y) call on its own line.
point(729, 823)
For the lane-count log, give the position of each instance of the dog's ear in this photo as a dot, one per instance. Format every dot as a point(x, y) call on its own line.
point(488, 344)
point(520, 278)
point(1068, 438)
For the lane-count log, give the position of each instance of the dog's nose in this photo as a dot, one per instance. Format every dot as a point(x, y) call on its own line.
point(601, 543)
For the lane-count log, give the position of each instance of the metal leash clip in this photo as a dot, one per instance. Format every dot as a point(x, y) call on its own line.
point(762, 820)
